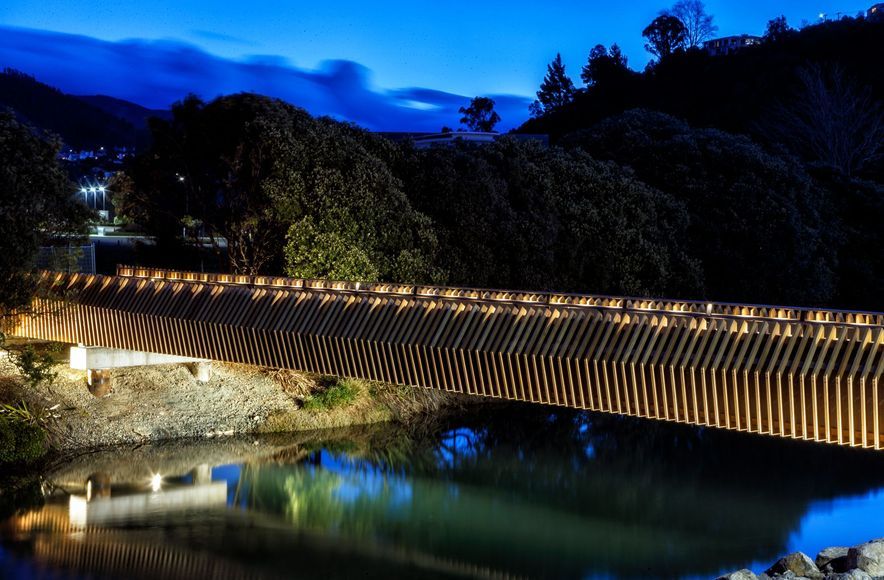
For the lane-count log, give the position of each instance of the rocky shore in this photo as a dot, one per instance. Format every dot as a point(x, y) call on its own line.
point(862, 562)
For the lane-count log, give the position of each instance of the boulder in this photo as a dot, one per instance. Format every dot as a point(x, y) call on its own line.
point(851, 575)
point(833, 560)
point(799, 564)
point(739, 575)
point(868, 557)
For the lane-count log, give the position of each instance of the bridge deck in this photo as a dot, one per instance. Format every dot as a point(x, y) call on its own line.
point(792, 372)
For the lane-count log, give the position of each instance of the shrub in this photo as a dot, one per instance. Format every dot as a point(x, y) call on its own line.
point(339, 393)
point(35, 366)
point(21, 442)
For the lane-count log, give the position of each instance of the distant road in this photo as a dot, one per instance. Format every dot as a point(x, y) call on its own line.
point(130, 240)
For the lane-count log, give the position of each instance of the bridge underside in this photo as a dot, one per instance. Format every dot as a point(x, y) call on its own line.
point(789, 372)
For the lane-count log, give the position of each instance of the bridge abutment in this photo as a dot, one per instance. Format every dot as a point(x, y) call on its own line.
point(99, 361)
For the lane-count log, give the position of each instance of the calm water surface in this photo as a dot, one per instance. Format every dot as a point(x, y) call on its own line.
point(514, 492)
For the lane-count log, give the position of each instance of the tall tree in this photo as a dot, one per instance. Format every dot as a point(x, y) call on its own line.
point(480, 115)
point(603, 65)
point(665, 35)
point(38, 204)
point(832, 120)
point(556, 90)
point(698, 24)
point(777, 29)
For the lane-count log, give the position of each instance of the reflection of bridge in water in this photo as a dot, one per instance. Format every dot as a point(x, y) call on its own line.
point(790, 372)
point(123, 522)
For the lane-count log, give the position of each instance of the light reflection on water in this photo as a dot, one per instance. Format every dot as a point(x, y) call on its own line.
point(515, 492)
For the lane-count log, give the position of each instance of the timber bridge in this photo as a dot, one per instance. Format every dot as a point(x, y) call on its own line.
point(801, 373)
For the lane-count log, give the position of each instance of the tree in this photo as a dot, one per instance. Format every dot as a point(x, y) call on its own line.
point(758, 222)
point(480, 115)
point(698, 25)
point(285, 191)
point(518, 215)
point(38, 205)
point(832, 120)
point(666, 35)
point(777, 29)
point(603, 65)
point(556, 90)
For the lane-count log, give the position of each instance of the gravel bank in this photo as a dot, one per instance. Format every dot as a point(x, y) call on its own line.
point(167, 402)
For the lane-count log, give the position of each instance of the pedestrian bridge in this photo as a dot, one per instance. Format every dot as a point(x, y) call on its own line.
point(790, 372)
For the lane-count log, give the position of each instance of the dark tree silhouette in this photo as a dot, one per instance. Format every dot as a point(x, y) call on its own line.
point(556, 90)
point(666, 35)
point(832, 120)
point(603, 65)
point(778, 29)
point(480, 115)
point(37, 205)
point(698, 24)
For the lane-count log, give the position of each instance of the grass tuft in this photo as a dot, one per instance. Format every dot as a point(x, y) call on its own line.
point(335, 393)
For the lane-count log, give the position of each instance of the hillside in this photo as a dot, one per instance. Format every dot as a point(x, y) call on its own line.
point(79, 123)
point(130, 112)
point(741, 92)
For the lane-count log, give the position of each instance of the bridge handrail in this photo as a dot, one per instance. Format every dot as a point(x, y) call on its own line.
point(728, 309)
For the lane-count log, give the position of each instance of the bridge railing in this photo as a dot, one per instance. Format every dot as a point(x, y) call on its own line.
point(729, 309)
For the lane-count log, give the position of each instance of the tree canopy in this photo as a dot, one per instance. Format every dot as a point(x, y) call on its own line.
point(556, 90)
point(604, 65)
point(757, 221)
point(38, 205)
point(253, 171)
point(699, 26)
point(666, 35)
point(480, 115)
point(515, 214)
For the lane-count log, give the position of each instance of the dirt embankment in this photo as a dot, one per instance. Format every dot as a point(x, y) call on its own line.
point(167, 402)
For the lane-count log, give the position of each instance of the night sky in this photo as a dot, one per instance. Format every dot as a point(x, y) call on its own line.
point(386, 65)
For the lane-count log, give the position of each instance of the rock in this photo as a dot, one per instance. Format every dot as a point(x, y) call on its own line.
point(852, 575)
point(868, 557)
point(798, 563)
point(739, 575)
point(832, 559)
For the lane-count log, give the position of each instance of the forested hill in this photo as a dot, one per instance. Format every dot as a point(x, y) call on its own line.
point(128, 111)
point(741, 92)
point(79, 123)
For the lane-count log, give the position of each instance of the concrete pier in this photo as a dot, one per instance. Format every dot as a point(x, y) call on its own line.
point(97, 362)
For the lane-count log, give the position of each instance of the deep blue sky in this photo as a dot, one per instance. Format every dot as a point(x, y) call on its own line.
point(152, 51)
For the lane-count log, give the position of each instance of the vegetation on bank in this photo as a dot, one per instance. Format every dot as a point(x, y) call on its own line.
point(21, 442)
point(23, 427)
point(326, 401)
point(333, 393)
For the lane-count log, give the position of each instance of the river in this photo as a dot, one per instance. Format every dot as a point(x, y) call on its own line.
point(503, 492)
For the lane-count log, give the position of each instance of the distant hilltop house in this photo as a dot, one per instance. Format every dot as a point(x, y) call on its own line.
point(448, 138)
point(876, 11)
point(730, 44)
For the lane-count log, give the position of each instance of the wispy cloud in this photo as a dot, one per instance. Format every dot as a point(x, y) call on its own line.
point(156, 73)
point(218, 37)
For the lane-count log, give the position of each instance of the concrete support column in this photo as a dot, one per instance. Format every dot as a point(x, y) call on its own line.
point(99, 381)
point(202, 371)
point(202, 474)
